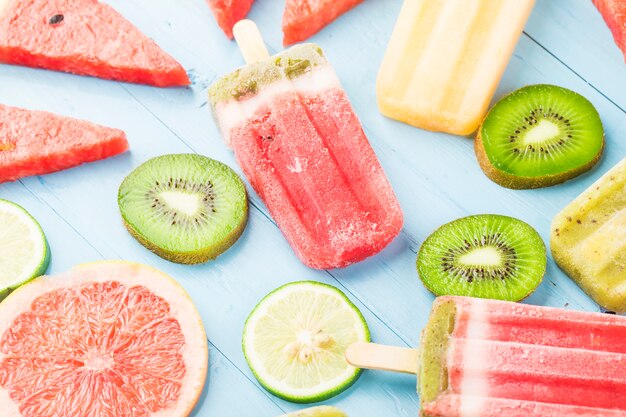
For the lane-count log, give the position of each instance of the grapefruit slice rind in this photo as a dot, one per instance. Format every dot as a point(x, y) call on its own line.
point(106, 339)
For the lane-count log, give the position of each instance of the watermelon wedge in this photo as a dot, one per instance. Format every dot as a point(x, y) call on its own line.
point(304, 18)
point(229, 12)
point(614, 13)
point(35, 143)
point(83, 37)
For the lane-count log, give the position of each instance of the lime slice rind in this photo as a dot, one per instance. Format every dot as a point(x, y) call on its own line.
point(24, 251)
point(290, 314)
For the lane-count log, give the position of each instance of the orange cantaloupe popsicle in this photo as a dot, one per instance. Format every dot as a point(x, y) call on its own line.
point(445, 60)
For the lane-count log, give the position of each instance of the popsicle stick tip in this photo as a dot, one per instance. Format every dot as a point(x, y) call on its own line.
point(383, 358)
point(250, 41)
point(353, 352)
point(243, 24)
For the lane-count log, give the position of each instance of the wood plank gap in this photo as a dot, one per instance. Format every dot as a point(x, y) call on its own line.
point(156, 117)
point(573, 71)
point(367, 307)
point(267, 394)
point(62, 218)
point(267, 216)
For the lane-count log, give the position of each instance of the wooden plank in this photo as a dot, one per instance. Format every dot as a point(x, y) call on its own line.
point(574, 32)
point(409, 154)
point(235, 392)
point(435, 176)
point(224, 291)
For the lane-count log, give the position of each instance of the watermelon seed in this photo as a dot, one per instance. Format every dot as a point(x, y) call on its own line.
point(56, 19)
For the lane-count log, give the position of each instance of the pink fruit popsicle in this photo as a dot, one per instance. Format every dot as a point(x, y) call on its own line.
point(302, 148)
point(485, 358)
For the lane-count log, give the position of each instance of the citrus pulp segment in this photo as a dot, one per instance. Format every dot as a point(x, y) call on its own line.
point(295, 341)
point(108, 339)
point(24, 252)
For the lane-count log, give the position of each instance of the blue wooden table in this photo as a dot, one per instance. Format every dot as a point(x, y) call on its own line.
point(435, 176)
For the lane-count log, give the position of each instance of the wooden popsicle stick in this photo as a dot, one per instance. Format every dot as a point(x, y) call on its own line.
point(250, 41)
point(383, 358)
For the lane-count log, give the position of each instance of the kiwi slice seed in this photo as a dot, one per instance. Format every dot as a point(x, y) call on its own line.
point(538, 136)
point(186, 208)
point(485, 256)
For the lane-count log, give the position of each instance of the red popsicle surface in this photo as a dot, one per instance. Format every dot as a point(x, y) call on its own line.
point(83, 37)
point(514, 360)
point(36, 143)
point(303, 150)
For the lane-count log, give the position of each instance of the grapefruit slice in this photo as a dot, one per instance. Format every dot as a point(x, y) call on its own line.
point(108, 339)
point(229, 12)
point(304, 18)
point(36, 143)
point(614, 13)
point(83, 37)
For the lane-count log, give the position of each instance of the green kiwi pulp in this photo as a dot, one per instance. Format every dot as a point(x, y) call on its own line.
point(485, 256)
point(185, 208)
point(538, 136)
point(432, 370)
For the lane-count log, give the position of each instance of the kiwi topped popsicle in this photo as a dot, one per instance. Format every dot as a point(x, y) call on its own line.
point(588, 239)
point(301, 146)
point(486, 358)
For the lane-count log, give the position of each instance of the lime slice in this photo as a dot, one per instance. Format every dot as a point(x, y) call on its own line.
point(323, 411)
point(24, 252)
point(295, 341)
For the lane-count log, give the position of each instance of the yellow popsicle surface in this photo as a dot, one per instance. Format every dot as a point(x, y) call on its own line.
point(445, 60)
point(588, 239)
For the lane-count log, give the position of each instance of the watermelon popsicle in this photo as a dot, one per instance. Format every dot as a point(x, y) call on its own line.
point(485, 358)
point(302, 148)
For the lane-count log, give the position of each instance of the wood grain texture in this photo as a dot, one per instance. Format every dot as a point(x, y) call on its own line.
point(435, 176)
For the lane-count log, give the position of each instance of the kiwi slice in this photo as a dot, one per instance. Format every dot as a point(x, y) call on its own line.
point(485, 256)
point(186, 208)
point(538, 136)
